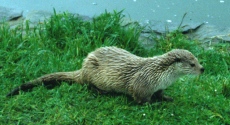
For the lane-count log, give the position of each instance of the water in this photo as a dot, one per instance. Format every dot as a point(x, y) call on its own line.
point(214, 12)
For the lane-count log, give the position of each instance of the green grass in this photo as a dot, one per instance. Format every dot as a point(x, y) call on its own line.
point(61, 44)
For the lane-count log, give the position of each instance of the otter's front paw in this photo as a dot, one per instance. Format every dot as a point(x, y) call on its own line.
point(159, 96)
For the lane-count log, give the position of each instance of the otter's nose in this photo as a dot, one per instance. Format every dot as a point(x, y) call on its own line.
point(202, 70)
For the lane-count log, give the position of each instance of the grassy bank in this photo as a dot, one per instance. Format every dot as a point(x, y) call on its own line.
point(61, 43)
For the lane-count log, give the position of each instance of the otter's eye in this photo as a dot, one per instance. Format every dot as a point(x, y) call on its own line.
point(192, 64)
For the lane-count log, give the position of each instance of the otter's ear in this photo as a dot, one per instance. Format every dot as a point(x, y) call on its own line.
point(177, 59)
point(172, 61)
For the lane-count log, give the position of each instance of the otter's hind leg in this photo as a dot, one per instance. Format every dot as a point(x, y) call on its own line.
point(141, 95)
point(95, 89)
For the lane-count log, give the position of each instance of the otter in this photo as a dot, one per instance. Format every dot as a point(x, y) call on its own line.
point(112, 69)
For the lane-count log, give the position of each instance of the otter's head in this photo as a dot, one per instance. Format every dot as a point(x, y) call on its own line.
point(184, 62)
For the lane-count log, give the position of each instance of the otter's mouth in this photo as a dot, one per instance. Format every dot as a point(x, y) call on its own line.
point(202, 70)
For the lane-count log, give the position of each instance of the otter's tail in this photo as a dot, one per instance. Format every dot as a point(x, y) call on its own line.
point(49, 81)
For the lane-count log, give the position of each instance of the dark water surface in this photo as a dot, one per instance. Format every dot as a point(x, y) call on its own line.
point(214, 12)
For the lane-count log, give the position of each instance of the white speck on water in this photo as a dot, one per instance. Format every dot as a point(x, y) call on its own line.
point(94, 3)
point(147, 21)
point(221, 1)
point(175, 15)
point(134, 0)
point(196, 0)
point(158, 5)
point(169, 21)
point(153, 10)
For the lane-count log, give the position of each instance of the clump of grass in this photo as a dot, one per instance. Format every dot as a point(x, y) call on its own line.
point(104, 30)
point(176, 39)
point(226, 90)
point(61, 43)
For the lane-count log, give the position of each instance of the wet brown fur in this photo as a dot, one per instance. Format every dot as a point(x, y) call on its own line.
point(112, 69)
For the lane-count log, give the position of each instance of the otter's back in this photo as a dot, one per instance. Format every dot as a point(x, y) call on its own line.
point(106, 68)
point(114, 55)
